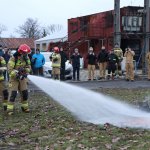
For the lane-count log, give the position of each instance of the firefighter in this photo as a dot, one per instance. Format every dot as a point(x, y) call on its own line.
point(3, 86)
point(56, 63)
point(91, 57)
point(19, 67)
point(112, 62)
point(148, 64)
point(118, 51)
point(129, 54)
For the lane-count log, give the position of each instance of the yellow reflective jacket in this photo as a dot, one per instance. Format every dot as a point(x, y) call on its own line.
point(16, 63)
point(56, 60)
point(119, 53)
point(2, 64)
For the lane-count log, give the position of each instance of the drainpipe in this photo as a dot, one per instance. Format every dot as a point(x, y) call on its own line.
point(117, 36)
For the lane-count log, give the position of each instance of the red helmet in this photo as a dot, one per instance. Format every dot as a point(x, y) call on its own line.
point(56, 49)
point(24, 48)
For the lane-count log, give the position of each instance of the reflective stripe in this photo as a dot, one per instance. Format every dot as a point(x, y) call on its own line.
point(11, 63)
point(12, 74)
point(1, 78)
point(10, 107)
point(25, 105)
point(3, 62)
point(55, 65)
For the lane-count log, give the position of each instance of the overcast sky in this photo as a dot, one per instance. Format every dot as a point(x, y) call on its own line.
point(15, 12)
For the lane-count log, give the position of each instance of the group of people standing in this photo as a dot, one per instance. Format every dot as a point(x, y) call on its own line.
point(59, 59)
point(110, 60)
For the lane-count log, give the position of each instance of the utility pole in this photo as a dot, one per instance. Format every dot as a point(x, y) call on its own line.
point(117, 35)
point(146, 21)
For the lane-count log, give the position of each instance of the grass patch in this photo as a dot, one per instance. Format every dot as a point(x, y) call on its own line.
point(50, 126)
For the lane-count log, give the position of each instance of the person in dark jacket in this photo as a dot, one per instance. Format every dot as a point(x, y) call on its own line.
point(76, 63)
point(1, 50)
point(6, 56)
point(112, 62)
point(102, 62)
point(91, 64)
point(63, 61)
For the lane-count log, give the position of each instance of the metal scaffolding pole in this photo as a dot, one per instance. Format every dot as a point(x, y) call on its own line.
point(146, 21)
point(117, 35)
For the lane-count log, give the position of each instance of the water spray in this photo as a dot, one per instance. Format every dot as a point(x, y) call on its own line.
point(93, 107)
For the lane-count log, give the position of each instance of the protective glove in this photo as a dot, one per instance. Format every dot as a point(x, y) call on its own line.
point(21, 74)
point(55, 59)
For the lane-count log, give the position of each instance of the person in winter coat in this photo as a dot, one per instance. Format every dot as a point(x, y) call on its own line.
point(19, 67)
point(38, 60)
point(91, 57)
point(129, 54)
point(75, 58)
point(1, 50)
point(112, 62)
point(148, 64)
point(63, 61)
point(56, 63)
point(6, 56)
point(102, 62)
point(3, 86)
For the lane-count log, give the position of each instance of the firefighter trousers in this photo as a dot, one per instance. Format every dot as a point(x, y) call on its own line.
point(130, 71)
point(4, 92)
point(21, 86)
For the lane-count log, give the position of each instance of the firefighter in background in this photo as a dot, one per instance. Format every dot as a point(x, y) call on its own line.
point(118, 51)
point(19, 67)
point(148, 64)
point(91, 57)
point(3, 86)
point(112, 62)
point(56, 63)
point(129, 54)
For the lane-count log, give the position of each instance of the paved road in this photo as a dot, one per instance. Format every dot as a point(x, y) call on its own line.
point(103, 84)
point(113, 84)
point(140, 82)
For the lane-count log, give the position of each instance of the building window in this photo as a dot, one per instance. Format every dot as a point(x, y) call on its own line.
point(131, 23)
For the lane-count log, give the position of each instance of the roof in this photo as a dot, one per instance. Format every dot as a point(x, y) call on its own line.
point(55, 37)
point(54, 40)
point(13, 43)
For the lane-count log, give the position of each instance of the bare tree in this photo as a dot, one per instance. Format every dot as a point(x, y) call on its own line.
point(2, 28)
point(30, 29)
point(54, 28)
